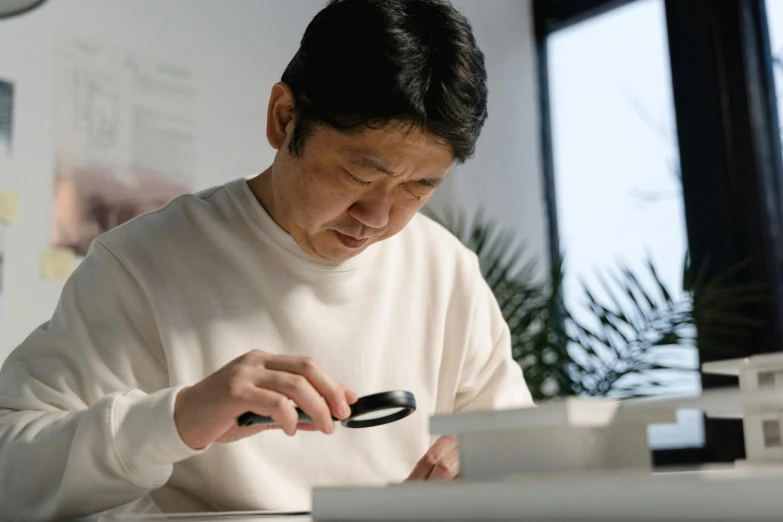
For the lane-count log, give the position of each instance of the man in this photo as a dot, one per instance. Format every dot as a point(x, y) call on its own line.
point(310, 284)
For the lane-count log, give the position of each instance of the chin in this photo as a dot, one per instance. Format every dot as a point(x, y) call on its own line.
point(342, 254)
point(337, 252)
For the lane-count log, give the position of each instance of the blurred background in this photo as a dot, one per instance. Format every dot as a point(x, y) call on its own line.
point(625, 197)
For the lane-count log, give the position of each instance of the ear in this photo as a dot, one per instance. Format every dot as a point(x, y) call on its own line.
point(279, 115)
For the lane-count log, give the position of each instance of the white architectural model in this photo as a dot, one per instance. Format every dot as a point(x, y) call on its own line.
point(761, 387)
point(580, 459)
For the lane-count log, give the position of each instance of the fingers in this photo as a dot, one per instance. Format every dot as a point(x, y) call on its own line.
point(299, 389)
point(447, 467)
point(298, 379)
point(265, 384)
point(440, 451)
point(333, 392)
point(275, 405)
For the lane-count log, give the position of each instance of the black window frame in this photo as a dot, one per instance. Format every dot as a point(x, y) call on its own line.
point(730, 158)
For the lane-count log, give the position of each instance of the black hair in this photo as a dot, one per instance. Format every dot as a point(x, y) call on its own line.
point(366, 63)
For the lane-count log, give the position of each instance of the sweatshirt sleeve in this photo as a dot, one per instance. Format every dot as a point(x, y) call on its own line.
point(490, 378)
point(86, 414)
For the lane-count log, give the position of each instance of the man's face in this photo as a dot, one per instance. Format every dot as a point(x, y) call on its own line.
point(345, 192)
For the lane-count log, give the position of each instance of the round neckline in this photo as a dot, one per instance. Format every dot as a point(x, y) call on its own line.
point(260, 220)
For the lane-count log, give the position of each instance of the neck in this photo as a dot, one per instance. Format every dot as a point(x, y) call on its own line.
point(262, 188)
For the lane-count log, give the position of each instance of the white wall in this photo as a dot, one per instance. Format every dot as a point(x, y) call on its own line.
point(237, 50)
point(505, 178)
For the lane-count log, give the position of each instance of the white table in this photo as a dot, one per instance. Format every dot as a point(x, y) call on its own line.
point(210, 517)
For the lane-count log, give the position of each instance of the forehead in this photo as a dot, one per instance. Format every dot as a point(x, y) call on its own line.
point(399, 146)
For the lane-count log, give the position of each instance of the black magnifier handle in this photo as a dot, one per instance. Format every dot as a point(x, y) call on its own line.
point(402, 403)
point(249, 418)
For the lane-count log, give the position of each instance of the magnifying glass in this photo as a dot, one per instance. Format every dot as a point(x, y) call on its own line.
point(368, 411)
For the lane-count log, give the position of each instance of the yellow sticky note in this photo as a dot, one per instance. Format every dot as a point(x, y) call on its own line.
point(57, 263)
point(9, 206)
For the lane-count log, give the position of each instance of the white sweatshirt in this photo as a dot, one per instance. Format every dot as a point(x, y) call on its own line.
point(159, 303)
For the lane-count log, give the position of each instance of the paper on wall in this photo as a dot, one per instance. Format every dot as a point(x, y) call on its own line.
point(57, 263)
point(124, 139)
point(9, 207)
point(2, 272)
point(6, 118)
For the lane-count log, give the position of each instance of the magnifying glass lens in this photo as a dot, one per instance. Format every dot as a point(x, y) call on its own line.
point(378, 414)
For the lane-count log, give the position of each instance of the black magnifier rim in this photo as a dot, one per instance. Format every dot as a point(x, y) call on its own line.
point(377, 402)
point(23, 10)
point(398, 399)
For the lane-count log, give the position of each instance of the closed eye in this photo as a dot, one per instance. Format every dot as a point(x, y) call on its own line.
point(429, 182)
point(422, 187)
point(358, 181)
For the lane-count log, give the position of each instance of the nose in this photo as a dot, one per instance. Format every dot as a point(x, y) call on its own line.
point(373, 209)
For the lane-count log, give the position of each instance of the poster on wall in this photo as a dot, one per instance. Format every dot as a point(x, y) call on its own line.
point(2, 272)
point(6, 118)
point(124, 139)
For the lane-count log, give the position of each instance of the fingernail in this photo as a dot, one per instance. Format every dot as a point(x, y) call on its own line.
point(345, 410)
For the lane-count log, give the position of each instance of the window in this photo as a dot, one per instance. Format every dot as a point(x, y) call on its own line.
point(775, 25)
point(617, 185)
point(771, 431)
point(766, 380)
point(723, 81)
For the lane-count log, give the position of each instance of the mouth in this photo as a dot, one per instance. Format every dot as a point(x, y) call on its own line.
point(350, 241)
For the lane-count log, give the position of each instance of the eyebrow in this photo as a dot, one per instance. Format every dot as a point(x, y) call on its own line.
point(373, 164)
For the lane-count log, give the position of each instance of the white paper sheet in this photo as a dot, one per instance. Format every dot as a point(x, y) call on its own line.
point(2, 271)
point(6, 118)
point(125, 138)
point(232, 516)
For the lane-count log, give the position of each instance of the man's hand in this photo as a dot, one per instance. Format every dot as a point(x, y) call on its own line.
point(265, 384)
point(441, 462)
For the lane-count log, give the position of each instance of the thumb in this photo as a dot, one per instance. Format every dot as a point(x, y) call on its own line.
point(351, 396)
